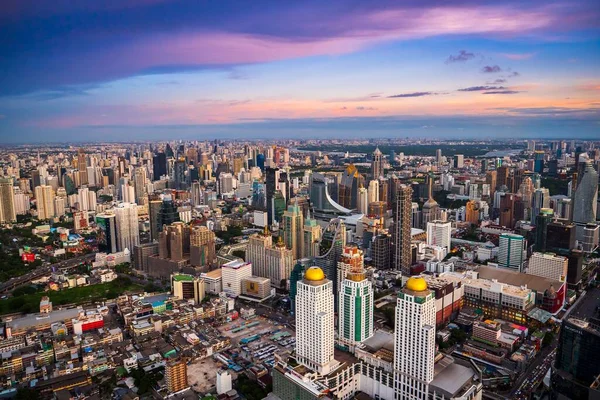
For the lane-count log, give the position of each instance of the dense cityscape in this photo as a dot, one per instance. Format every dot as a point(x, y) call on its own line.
point(300, 269)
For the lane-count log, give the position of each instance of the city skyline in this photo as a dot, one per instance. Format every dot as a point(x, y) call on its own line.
point(154, 69)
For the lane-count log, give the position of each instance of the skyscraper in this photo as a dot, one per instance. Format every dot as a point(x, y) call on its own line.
point(202, 247)
point(44, 196)
point(511, 251)
point(293, 224)
point(542, 220)
point(355, 306)
point(414, 345)
point(439, 234)
point(585, 199)
point(315, 321)
point(311, 236)
point(377, 164)
point(128, 233)
point(349, 186)
point(7, 201)
point(401, 236)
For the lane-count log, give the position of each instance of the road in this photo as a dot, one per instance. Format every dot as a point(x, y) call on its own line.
point(15, 282)
point(535, 373)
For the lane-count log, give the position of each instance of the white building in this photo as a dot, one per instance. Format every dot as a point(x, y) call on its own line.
point(439, 234)
point(223, 381)
point(548, 265)
point(44, 196)
point(213, 281)
point(232, 275)
point(128, 232)
point(511, 252)
point(414, 346)
point(315, 322)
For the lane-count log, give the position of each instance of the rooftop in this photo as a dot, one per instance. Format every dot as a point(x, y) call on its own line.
point(30, 321)
point(514, 278)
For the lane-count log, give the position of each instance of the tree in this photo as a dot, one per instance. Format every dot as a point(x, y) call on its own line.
point(548, 338)
point(26, 393)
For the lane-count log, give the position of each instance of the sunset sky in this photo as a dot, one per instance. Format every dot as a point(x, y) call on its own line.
point(150, 69)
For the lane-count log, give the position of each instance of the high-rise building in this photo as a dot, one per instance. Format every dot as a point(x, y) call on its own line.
point(355, 306)
point(44, 196)
point(269, 261)
point(154, 206)
point(511, 251)
point(107, 232)
point(176, 375)
point(414, 345)
point(315, 322)
point(439, 233)
point(377, 164)
point(401, 236)
point(202, 247)
point(187, 287)
point(8, 211)
point(159, 166)
point(542, 220)
point(128, 232)
point(351, 259)
point(293, 224)
point(139, 181)
point(585, 199)
point(431, 208)
point(349, 186)
point(331, 246)
point(311, 237)
point(459, 161)
point(548, 265)
point(472, 212)
point(82, 167)
point(438, 156)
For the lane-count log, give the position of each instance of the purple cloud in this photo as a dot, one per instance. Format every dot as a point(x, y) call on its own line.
point(481, 88)
point(502, 92)
point(414, 94)
point(491, 69)
point(462, 56)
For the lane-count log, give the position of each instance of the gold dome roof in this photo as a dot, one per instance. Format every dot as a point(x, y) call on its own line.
point(314, 274)
point(416, 284)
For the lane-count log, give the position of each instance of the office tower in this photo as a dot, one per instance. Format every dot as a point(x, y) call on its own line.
point(363, 200)
point(491, 179)
point(271, 178)
point(8, 211)
point(293, 224)
point(502, 176)
point(311, 234)
point(171, 241)
point(22, 203)
point(439, 234)
point(296, 276)
point(538, 165)
point(414, 345)
point(232, 275)
point(82, 167)
point(438, 156)
point(321, 196)
point(380, 250)
point(349, 187)
point(202, 247)
point(351, 259)
point(224, 383)
point(373, 192)
point(187, 287)
point(401, 236)
point(107, 232)
point(315, 324)
point(154, 206)
point(44, 196)
point(459, 161)
point(511, 251)
point(256, 252)
point(472, 212)
point(179, 168)
point(128, 232)
point(59, 206)
point(159, 166)
point(225, 183)
point(377, 164)
point(167, 213)
point(548, 265)
point(355, 304)
point(431, 208)
point(384, 192)
point(541, 200)
point(585, 199)
point(576, 367)
point(507, 209)
point(542, 220)
point(141, 252)
point(484, 165)
point(196, 194)
point(139, 182)
point(176, 375)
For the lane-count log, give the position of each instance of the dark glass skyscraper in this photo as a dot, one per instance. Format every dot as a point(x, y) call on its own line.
point(159, 165)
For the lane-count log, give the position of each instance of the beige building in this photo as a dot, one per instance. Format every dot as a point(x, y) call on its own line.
point(548, 265)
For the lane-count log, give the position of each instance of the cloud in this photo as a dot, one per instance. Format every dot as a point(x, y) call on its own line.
point(548, 111)
point(481, 88)
point(413, 94)
point(502, 92)
point(362, 108)
point(462, 56)
point(513, 74)
point(497, 81)
point(237, 75)
point(517, 56)
point(491, 69)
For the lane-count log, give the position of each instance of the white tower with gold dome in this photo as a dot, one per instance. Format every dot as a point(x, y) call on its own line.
point(414, 345)
point(315, 322)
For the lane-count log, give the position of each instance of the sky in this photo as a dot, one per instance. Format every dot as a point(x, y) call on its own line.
point(125, 70)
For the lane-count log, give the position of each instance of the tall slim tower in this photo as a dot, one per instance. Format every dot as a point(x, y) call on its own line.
point(293, 224)
point(44, 196)
point(414, 345)
point(128, 232)
point(311, 236)
point(377, 164)
point(401, 236)
point(315, 322)
point(7, 201)
point(355, 307)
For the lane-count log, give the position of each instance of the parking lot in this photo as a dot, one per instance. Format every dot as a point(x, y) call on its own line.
point(259, 338)
point(202, 374)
